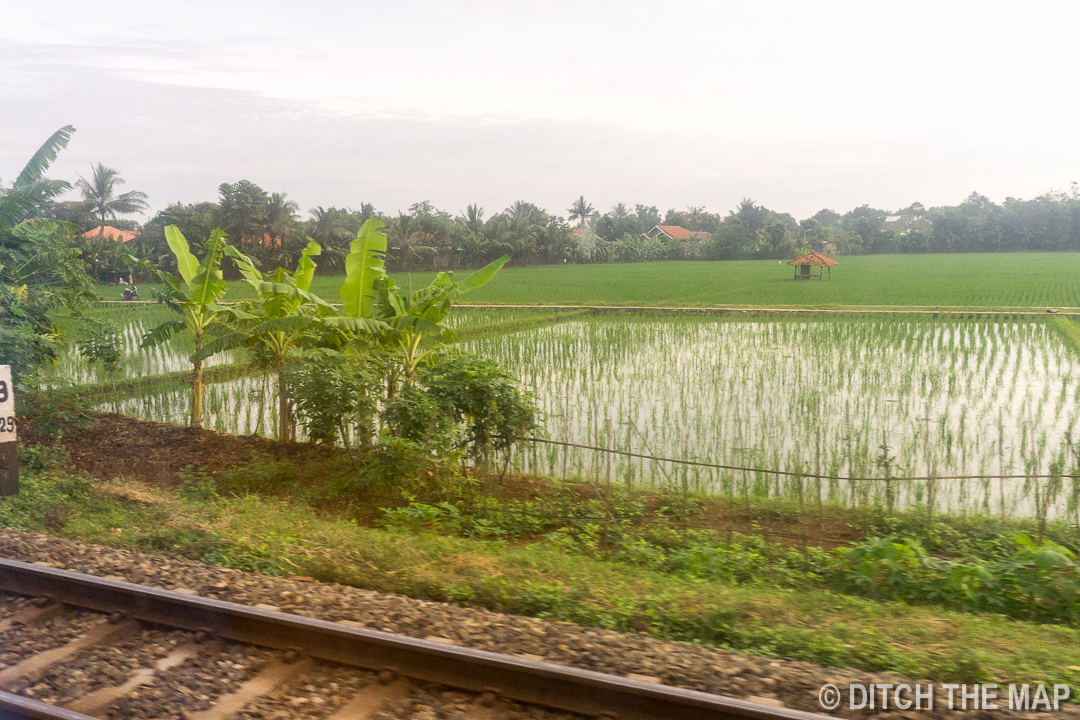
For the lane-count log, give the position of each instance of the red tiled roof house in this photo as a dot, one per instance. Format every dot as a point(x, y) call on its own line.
point(675, 232)
point(124, 236)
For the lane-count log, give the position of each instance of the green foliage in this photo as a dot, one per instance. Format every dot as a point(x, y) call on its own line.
point(1038, 582)
point(196, 486)
point(195, 297)
point(811, 624)
point(394, 462)
point(1029, 581)
point(194, 222)
point(41, 270)
point(335, 397)
point(458, 401)
point(283, 318)
point(412, 414)
point(242, 211)
point(101, 348)
point(484, 399)
point(364, 266)
point(26, 340)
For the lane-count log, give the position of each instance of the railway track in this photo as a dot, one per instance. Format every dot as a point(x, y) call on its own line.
point(168, 644)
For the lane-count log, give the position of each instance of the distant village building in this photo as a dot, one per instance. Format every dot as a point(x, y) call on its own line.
point(906, 223)
point(675, 232)
point(124, 236)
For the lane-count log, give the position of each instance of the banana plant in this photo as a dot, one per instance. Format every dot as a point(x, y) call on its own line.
point(284, 316)
point(195, 296)
point(410, 318)
point(364, 268)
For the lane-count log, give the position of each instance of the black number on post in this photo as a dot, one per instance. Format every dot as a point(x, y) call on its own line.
point(3, 391)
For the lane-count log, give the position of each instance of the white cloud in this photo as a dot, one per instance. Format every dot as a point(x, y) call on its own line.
point(798, 105)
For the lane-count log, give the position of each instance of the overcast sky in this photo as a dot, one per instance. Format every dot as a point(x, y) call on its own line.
point(798, 105)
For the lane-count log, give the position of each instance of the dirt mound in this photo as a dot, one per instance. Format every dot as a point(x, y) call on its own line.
point(155, 452)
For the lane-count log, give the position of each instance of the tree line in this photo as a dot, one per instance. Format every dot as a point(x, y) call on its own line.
point(268, 227)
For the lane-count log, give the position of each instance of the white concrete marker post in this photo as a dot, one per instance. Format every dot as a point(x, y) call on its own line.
point(9, 453)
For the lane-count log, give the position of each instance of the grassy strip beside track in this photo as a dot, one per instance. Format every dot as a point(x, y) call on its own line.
point(276, 537)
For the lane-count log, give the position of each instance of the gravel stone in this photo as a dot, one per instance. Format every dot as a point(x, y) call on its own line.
point(193, 685)
point(106, 665)
point(12, 604)
point(19, 643)
point(313, 695)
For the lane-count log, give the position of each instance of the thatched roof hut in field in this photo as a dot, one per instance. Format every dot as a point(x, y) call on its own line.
point(804, 266)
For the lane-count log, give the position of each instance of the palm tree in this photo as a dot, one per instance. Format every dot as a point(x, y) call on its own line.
point(280, 215)
point(405, 237)
point(522, 210)
point(41, 269)
point(474, 218)
point(749, 214)
point(327, 227)
point(694, 215)
point(281, 230)
point(99, 194)
point(581, 211)
point(620, 211)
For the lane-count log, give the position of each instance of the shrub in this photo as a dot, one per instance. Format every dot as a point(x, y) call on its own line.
point(334, 396)
point(482, 398)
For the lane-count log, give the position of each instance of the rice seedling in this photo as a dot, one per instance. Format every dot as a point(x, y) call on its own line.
point(863, 398)
point(132, 322)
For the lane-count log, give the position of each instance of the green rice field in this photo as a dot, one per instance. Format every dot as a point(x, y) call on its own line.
point(132, 321)
point(872, 398)
point(961, 280)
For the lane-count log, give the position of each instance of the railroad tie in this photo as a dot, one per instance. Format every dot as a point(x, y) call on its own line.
point(33, 667)
point(271, 677)
point(31, 616)
point(99, 701)
point(370, 700)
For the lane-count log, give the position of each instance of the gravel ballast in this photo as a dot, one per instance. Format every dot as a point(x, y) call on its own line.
point(791, 683)
point(105, 665)
point(18, 643)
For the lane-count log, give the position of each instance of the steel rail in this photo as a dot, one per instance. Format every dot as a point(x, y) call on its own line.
point(519, 679)
point(16, 707)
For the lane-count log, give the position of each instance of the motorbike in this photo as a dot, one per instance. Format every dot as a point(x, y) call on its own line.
point(131, 293)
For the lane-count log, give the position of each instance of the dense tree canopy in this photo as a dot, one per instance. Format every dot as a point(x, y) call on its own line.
point(268, 227)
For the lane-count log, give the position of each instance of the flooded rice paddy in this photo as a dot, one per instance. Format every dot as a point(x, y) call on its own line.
point(897, 396)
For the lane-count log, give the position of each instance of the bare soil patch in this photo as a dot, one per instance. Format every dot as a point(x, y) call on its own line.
point(156, 453)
